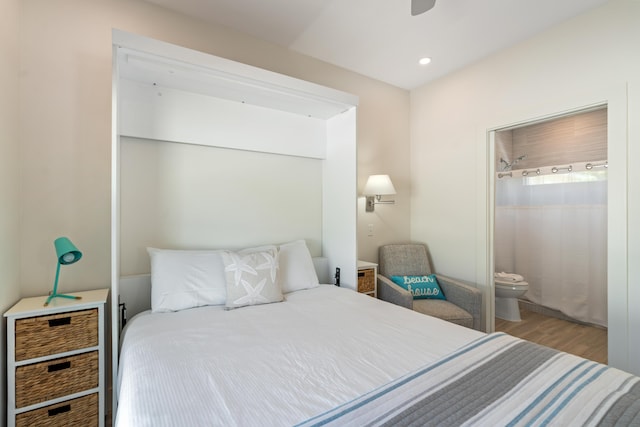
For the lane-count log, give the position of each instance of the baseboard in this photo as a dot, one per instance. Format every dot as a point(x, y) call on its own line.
point(537, 308)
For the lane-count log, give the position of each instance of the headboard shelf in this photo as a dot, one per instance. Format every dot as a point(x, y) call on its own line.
point(160, 64)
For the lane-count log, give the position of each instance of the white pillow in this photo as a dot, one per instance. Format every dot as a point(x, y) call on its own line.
point(252, 277)
point(186, 279)
point(296, 267)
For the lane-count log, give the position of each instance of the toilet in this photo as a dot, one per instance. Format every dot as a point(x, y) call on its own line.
point(507, 293)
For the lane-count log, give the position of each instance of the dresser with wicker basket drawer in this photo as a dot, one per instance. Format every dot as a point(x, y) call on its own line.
point(56, 361)
point(368, 278)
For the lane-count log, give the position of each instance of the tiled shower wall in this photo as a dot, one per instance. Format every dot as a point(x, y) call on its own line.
point(577, 138)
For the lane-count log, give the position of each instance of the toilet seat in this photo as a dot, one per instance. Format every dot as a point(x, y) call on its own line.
point(510, 284)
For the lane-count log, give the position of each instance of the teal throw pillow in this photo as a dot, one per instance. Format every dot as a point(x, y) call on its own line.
point(421, 287)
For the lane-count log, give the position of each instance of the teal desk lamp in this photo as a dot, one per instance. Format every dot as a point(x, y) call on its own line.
point(67, 254)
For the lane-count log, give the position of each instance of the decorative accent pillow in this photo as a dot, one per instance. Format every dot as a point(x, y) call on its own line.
point(185, 279)
point(252, 277)
point(296, 267)
point(421, 287)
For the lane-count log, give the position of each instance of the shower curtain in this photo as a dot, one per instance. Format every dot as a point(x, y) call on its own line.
point(555, 235)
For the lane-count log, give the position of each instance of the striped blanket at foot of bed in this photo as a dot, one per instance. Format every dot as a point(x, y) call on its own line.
point(499, 380)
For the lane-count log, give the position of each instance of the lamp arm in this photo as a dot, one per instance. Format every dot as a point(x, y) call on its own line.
point(372, 201)
point(379, 201)
point(55, 284)
point(55, 293)
point(55, 287)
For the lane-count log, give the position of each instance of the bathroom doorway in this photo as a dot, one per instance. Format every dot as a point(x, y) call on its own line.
point(550, 229)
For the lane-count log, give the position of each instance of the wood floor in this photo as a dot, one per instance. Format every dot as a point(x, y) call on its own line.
point(586, 341)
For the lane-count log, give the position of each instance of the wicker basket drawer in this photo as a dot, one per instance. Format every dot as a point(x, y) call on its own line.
point(80, 412)
point(46, 335)
point(366, 280)
point(39, 382)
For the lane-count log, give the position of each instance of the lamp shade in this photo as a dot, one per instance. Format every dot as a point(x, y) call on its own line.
point(66, 251)
point(378, 185)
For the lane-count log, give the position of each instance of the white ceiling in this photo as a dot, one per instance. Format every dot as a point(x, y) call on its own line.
point(380, 38)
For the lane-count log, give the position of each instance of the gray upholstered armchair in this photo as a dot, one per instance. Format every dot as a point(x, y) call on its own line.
point(463, 303)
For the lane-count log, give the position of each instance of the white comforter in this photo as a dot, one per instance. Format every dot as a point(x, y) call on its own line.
point(275, 364)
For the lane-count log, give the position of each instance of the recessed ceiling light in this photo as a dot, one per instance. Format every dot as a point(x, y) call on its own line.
point(424, 61)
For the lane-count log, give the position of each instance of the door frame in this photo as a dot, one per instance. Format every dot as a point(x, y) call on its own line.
point(621, 346)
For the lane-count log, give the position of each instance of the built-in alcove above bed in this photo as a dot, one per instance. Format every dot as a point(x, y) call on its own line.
point(209, 153)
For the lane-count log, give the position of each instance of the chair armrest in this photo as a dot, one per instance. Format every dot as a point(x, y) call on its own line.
point(464, 296)
point(390, 292)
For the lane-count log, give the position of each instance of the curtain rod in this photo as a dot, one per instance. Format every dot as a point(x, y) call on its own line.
point(547, 170)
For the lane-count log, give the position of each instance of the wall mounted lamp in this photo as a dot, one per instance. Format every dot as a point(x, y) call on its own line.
point(67, 254)
point(376, 187)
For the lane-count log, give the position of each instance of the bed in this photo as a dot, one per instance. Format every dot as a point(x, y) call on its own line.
point(325, 355)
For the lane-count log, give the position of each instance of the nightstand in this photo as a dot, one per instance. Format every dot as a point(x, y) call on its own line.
point(368, 278)
point(56, 361)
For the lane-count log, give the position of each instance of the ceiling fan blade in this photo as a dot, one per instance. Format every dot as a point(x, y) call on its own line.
point(421, 6)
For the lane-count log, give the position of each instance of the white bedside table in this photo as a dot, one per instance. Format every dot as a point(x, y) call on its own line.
point(56, 361)
point(368, 278)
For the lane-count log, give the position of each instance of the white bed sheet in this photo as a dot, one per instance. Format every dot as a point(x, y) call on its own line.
point(276, 364)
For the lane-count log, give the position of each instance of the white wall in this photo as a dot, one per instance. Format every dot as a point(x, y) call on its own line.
point(192, 196)
point(587, 60)
point(65, 123)
point(9, 169)
point(383, 149)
